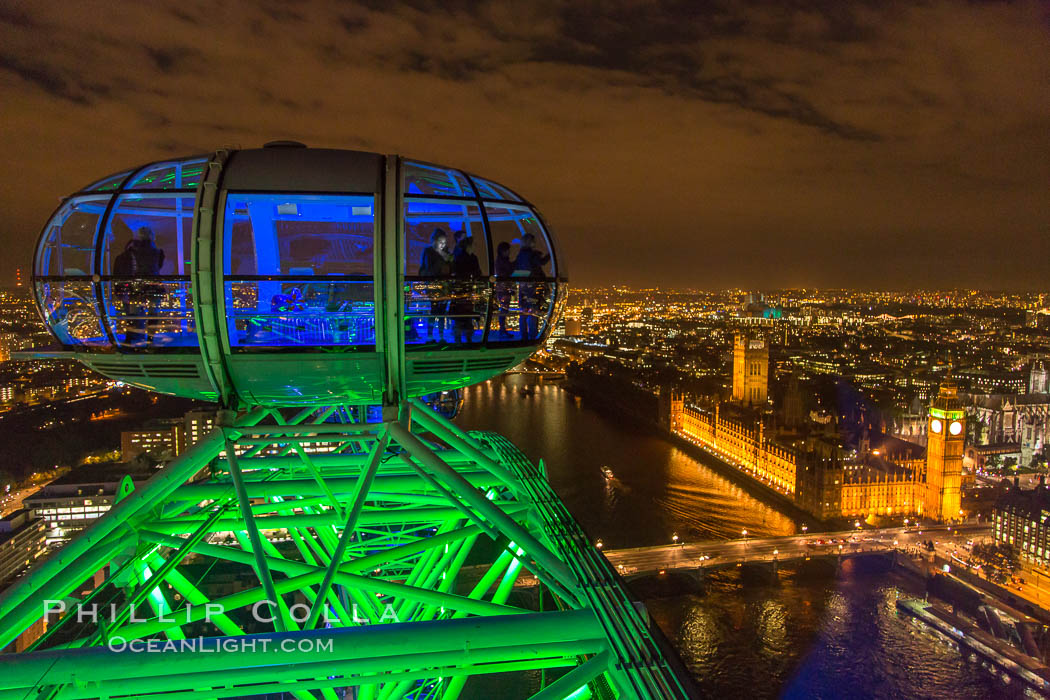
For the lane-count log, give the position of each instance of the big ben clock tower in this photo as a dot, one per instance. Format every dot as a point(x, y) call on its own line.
point(945, 435)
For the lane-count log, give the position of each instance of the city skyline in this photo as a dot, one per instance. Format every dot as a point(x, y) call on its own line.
point(429, 350)
point(875, 145)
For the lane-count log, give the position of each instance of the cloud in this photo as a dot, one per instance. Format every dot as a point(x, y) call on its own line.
point(678, 142)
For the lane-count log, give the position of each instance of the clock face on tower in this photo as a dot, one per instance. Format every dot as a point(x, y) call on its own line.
point(936, 425)
point(955, 428)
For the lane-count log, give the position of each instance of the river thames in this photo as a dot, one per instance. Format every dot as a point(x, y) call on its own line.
point(797, 638)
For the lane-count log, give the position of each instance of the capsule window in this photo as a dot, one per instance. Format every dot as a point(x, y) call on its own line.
point(446, 269)
point(149, 235)
point(152, 313)
point(523, 294)
point(428, 222)
point(488, 189)
point(299, 271)
point(68, 245)
point(108, 184)
point(520, 244)
point(175, 175)
point(71, 313)
point(299, 235)
point(425, 179)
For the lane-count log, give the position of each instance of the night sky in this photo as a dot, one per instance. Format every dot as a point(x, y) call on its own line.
point(691, 144)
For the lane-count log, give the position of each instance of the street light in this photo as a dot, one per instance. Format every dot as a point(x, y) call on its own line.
point(674, 538)
point(856, 524)
point(598, 543)
point(804, 528)
point(744, 533)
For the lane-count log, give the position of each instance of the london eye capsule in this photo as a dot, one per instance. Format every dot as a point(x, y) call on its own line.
point(288, 275)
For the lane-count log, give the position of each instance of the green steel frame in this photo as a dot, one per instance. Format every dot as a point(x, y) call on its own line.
point(392, 551)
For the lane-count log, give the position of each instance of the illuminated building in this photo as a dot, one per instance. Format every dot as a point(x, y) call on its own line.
point(1038, 378)
point(945, 436)
point(891, 489)
point(741, 442)
point(820, 476)
point(22, 542)
point(1021, 519)
point(1016, 425)
point(987, 381)
point(169, 441)
point(750, 369)
point(73, 501)
point(198, 424)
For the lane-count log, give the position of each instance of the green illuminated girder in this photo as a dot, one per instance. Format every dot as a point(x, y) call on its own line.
point(359, 533)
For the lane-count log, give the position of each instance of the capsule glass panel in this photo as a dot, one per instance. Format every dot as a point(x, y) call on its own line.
point(71, 313)
point(521, 310)
point(306, 312)
point(299, 235)
point(446, 291)
point(149, 235)
point(524, 267)
point(488, 189)
point(68, 245)
point(175, 175)
point(519, 241)
point(150, 313)
point(426, 179)
point(299, 271)
point(108, 184)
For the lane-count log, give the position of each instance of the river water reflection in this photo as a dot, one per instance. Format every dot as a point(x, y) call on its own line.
point(656, 489)
point(797, 639)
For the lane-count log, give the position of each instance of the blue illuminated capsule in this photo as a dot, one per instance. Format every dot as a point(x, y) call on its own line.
point(295, 276)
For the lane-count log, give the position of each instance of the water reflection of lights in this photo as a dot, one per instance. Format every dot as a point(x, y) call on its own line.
point(772, 625)
point(659, 488)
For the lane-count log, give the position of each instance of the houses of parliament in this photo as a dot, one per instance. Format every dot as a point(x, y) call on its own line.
point(805, 459)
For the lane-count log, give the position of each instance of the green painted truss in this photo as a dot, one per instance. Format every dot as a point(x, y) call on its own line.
point(404, 557)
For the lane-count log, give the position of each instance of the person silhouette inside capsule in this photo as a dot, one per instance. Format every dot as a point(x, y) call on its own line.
point(466, 270)
point(436, 262)
point(531, 295)
point(140, 296)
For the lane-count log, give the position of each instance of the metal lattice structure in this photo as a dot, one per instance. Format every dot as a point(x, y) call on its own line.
point(380, 558)
point(392, 550)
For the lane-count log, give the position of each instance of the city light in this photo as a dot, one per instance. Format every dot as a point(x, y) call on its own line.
point(291, 376)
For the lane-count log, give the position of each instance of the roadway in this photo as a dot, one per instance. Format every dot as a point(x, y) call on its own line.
point(10, 502)
point(714, 553)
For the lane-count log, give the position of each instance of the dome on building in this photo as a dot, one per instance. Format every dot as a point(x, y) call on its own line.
point(289, 275)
